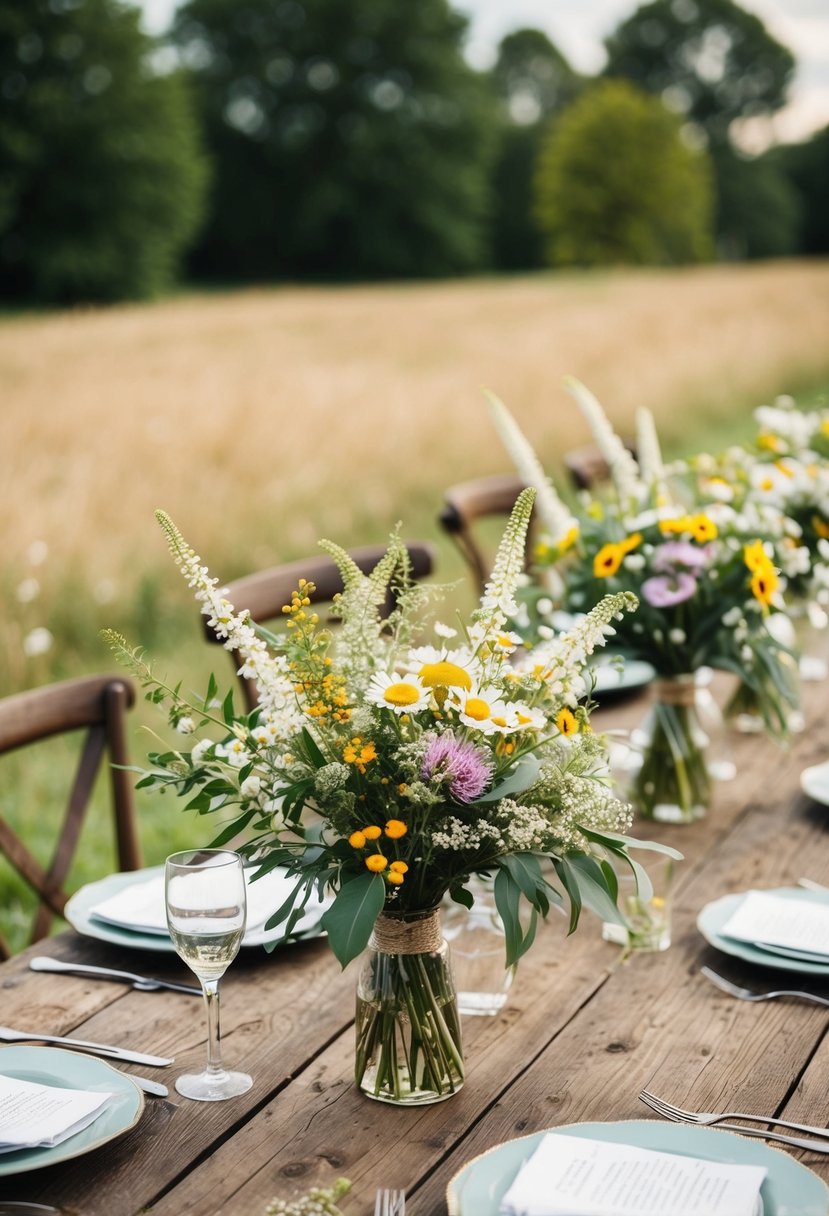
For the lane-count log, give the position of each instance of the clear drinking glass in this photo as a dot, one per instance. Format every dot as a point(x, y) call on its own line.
point(206, 912)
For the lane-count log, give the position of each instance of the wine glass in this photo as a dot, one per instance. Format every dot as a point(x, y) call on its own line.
point(206, 911)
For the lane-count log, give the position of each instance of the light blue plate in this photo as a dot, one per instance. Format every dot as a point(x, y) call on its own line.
point(71, 1070)
point(714, 915)
point(789, 1189)
point(80, 907)
point(609, 678)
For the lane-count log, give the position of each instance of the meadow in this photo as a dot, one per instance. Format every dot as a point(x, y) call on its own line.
point(264, 419)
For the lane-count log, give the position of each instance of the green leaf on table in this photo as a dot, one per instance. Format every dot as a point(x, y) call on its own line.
point(350, 919)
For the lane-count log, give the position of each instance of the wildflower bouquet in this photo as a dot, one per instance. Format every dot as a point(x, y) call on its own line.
point(389, 773)
point(705, 577)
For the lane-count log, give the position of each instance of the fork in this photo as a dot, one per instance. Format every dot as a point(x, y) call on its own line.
point(706, 1118)
point(745, 994)
point(390, 1202)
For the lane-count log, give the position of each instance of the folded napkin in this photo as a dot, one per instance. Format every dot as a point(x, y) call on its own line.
point(33, 1115)
point(575, 1176)
point(797, 925)
point(140, 906)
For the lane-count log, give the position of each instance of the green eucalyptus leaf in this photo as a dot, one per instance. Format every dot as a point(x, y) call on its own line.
point(350, 919)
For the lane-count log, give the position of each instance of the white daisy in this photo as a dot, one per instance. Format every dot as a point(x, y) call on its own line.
point(480, 710)
point(401, 694)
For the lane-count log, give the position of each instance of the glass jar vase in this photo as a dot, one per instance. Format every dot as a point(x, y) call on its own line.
point(673, 782)
point(478, 942)
point(409, 1048)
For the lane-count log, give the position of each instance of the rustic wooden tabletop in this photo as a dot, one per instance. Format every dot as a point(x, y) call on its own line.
point(582, 1033)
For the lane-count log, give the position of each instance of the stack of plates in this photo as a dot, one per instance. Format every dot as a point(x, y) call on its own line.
point(715, 916)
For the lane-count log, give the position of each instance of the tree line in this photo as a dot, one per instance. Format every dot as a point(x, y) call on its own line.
point(267, 140)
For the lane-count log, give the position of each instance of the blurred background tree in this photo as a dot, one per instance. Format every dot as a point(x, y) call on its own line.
point(101, 174)
point(617, 184)
point(533, 83)
point(716, 65)
point(350, 139)
point(805, 167)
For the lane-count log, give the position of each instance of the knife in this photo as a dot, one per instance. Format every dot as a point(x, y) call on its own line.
point(8, 1035)
point(141, 982)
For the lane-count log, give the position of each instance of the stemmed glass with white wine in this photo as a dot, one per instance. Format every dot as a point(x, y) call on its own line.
point(206, 911)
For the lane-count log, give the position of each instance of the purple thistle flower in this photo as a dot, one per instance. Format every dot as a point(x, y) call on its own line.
point(681, 553)
point(668, 589)
point(466, 769)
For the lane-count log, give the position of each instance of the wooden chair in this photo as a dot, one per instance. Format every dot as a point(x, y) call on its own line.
point(98, 704)
point(587, 467)
point(471, 501)
point(265, 592)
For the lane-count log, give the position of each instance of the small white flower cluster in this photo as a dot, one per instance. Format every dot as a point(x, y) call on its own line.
point(623, 467)
point(276, 692)
point(525, 828)
point(556, 520)
point(458, 837)
point(586, 804)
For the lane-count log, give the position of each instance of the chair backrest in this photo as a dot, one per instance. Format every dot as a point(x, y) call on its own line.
point(99, 705)
point(265, 593)
point(587, 467)
point(470, 501)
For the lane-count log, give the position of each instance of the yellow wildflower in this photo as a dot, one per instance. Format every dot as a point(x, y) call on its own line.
point(444, 675)
point(769, 442)
point(755, 556)
point(357, 840)
point(566, 722)
point(764, 583)
point(372, 832)
point(608, 560)
point(395, 828)
point(394, 877)
point(399, 867)
point(631, 542)
point(376, 863)
point(702, 528)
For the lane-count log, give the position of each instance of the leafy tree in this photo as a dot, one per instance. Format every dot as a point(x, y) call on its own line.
point(709, 59)
point(533, 82)
point(349, 138)
point(758, 211)
point(532, 77)
point(616, 183)
point(101, 175)
point(805, 167)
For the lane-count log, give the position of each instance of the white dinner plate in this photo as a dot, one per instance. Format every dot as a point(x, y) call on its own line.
point(715, 915)
point(788, 1190)
point(79, 911)
point(71, 1070)
point(814, 781)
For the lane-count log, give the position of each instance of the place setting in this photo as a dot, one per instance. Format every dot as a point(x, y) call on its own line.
point(786, 928)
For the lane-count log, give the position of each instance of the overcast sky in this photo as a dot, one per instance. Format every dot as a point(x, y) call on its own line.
point(578, 26)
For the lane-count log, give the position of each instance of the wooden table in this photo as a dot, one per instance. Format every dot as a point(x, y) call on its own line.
point(581, 1034)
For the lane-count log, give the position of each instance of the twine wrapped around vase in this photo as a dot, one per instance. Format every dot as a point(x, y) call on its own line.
point(415, 933)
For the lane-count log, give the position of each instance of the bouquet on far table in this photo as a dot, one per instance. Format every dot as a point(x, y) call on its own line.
point(389, 773)
point(705, 576)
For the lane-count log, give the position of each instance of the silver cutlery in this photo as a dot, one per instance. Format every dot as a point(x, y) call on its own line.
point(142, 983)
point(8, 1035)
point(809, 884)
point(390, 1202)
point(706, 1118)
point(745, 994)
point(150, 1087)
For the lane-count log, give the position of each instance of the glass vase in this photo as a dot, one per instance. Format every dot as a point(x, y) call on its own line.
point(478, 942)
point(809, 620)
point(408, 1031)
point(673, 783)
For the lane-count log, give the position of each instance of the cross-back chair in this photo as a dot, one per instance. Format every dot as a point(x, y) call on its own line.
point(265, 592)
point(466, 504)
point(97, 704)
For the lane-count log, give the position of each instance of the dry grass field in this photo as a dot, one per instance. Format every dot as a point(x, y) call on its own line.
point(263, 419)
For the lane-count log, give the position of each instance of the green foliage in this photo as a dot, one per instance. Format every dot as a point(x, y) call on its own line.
point(713, 61)
point(533, 81)
point(348, 138)
point(617, 184)
point(758, 208)
point(805, 167)
point(102, 178)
